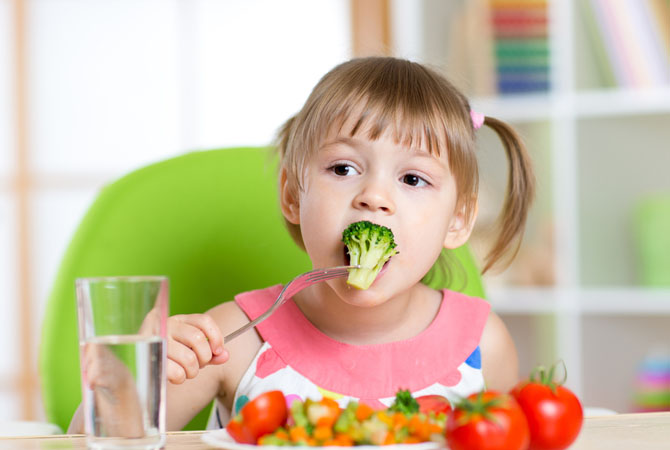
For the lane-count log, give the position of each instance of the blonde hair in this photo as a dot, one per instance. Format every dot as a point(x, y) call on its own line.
point(421, 107)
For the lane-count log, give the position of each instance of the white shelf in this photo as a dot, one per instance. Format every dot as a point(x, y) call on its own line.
point(580, 104)
point(619, 102)
point(525, 301)
point(585, 301)
point(515, 108)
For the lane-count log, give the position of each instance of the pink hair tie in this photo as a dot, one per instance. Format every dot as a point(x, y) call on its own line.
point(477, 119)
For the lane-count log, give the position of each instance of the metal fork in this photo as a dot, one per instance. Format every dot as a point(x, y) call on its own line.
point(293, 287)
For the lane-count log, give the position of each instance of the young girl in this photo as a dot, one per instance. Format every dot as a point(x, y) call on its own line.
point(392, 142)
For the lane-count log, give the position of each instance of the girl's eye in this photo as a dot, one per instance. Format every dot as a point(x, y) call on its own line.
point(343, 170)
point(414, 180)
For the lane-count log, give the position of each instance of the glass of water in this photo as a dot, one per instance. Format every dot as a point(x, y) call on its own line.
point(122, 342)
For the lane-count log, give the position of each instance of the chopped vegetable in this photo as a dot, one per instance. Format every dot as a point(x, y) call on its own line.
point(325, 423)
point(433, 403)
point(405, 403)
point(323, 413)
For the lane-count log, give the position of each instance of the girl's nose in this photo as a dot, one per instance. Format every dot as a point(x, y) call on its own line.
point(374, 197)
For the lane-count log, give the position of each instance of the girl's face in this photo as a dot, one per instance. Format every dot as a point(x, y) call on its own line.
point(405, 189)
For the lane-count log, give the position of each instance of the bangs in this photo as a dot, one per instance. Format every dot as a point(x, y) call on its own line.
point(374, 96)
point(407, 129)
point(412, 102)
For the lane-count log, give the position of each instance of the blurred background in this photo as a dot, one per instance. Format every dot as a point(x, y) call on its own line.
point(93, 89)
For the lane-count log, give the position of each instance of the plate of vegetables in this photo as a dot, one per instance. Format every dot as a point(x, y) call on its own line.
point(267, 421)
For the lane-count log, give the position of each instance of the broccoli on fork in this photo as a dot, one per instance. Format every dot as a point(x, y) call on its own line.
point(370, 246)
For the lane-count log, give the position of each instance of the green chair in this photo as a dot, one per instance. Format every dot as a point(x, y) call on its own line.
point(209, 220)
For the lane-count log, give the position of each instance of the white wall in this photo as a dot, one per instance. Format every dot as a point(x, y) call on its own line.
point(6, 138)
point(114, 85)
point(8, 309)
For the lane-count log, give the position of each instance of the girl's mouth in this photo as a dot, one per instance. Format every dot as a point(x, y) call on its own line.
point(384, 267)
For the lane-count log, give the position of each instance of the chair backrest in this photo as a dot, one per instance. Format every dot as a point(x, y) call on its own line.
point(208, 220)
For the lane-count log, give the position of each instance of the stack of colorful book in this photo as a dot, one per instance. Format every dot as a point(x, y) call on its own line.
point(630, 40)
point(520, 29)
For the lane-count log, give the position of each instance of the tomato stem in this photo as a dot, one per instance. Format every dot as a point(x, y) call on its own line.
point(481, 407)
point(541, 375)
point(565, 372)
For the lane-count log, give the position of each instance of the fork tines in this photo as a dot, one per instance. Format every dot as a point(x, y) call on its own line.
point(320, 275)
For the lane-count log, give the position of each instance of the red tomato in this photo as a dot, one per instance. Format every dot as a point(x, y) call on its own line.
point(487, 421)
point(553, 412)
point(435, 403)
point(262, 415)
point(237, 431)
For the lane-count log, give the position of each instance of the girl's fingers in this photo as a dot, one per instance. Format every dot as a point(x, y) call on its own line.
point(184, 357)
point(221, 358)
point(194, 339)
point(208, 327)
point(175, 372)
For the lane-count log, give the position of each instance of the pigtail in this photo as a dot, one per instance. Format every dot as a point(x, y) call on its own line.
point(519, 196)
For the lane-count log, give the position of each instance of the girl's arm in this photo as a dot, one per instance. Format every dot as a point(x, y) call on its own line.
point(500, 363)
point(187, 399)
point(216, 379)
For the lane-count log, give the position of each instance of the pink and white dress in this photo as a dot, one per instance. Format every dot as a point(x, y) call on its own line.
point(302, 362)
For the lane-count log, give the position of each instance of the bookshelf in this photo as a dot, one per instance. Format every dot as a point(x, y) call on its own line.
point(600, 145)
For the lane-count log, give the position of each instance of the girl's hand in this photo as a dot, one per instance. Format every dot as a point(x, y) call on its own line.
point(194, 341)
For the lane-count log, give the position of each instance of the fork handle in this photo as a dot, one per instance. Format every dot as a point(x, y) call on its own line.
point(239, 331)
point(287, 292)
point(254, 322)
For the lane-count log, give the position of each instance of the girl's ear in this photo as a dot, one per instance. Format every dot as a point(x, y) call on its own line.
point(459, 229)
point(290, 207)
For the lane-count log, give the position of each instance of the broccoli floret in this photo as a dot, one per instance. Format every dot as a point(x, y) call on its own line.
point(370, 246)
point(405, 403)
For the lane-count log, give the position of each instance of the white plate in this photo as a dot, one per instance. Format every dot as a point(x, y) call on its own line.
point(221, 439)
